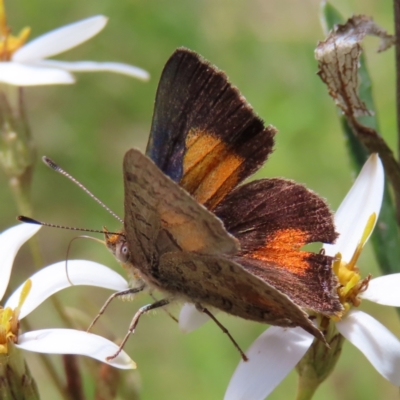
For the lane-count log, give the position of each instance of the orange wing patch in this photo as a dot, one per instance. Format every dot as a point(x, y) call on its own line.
point(283, 250)
point(184, 228)
point(210, 168)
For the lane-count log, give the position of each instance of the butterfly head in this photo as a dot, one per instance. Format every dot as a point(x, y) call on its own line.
point(116, 243)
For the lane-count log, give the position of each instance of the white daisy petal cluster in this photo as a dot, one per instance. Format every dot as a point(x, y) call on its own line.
point(278, 350)
point(27, 64)
point(359, 209)
point(42, 285)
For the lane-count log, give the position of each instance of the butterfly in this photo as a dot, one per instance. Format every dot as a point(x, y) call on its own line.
point(195, 232)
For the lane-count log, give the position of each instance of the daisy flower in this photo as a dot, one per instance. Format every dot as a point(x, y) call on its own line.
point(38, 288)
point(277, 351)
point(26, 64)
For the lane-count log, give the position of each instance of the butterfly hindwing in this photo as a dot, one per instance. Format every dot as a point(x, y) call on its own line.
point(204, 134)
point(273, 219)
point(221, 283)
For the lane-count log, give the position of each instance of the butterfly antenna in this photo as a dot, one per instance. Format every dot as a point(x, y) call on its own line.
point(57, 168)
point(28, 220)
point(69, 249)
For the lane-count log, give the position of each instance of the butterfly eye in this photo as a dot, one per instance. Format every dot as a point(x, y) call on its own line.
point(122, 252)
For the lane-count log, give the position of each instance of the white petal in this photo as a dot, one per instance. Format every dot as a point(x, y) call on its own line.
point(363, 199)
point(384, 290)
point(60, 40)
point(70, 341)
point(10, 242)
point(271, 357)
point(17, 74)
point(53, 278)
point(190, 318)
point(92, 66)
point(377, 343)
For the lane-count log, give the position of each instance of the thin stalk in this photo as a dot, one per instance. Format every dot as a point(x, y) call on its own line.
point(306, 390)
point(49, 367)
point(396, 4)
point(18, 158)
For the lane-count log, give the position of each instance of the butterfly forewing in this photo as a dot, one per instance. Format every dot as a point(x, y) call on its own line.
point(154, 205)
point(204, 134)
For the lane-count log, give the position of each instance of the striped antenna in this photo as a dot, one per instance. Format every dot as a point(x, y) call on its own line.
point(28, 220)
point(57, 168)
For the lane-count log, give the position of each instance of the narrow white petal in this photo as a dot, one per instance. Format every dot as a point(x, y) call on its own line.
point(70, 341)
point(17, 74)
point(190, 318)
point(271, 357)
point(10, 242)
point(93, 66)
point(60, 39)
point(363, 199)
point(53, 278)
point(384, 290)
point(377, 343)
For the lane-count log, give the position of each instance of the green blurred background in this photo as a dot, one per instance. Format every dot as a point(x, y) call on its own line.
point(266, 48)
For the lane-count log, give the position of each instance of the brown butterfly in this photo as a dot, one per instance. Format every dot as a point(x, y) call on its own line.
point(193, 234)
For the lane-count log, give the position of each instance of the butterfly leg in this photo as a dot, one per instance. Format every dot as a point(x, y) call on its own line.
point(135, 320)
point(111, 298)
point(224, 330)
point(165, 309)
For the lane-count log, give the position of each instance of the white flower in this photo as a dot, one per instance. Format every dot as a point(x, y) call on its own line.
point(26, 64)
point(277, 351)
point(42, 285)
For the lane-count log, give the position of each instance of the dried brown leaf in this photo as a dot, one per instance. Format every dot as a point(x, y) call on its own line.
point(338, 60)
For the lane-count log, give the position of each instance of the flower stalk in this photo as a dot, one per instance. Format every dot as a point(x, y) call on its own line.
point(16, 381)
point(17, 149)
point(319, 361)
point(18, 154)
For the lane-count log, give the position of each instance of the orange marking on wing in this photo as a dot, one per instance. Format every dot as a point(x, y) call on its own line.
point(283, 249)
point(210, 169)
point(183, 229)
point(198, 145)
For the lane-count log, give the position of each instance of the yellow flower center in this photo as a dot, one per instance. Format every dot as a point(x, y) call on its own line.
point(9, 320)
point(350, 282)
point(9, 44)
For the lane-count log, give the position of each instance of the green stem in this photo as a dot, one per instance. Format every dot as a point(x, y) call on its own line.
point(306, 389)
point(396, 4)
point(16, 381)
point(18, 156)
point(49, 367)
point(20, 188)
point(320, 359)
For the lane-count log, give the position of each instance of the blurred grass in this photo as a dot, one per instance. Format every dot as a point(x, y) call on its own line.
point(266, 48)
